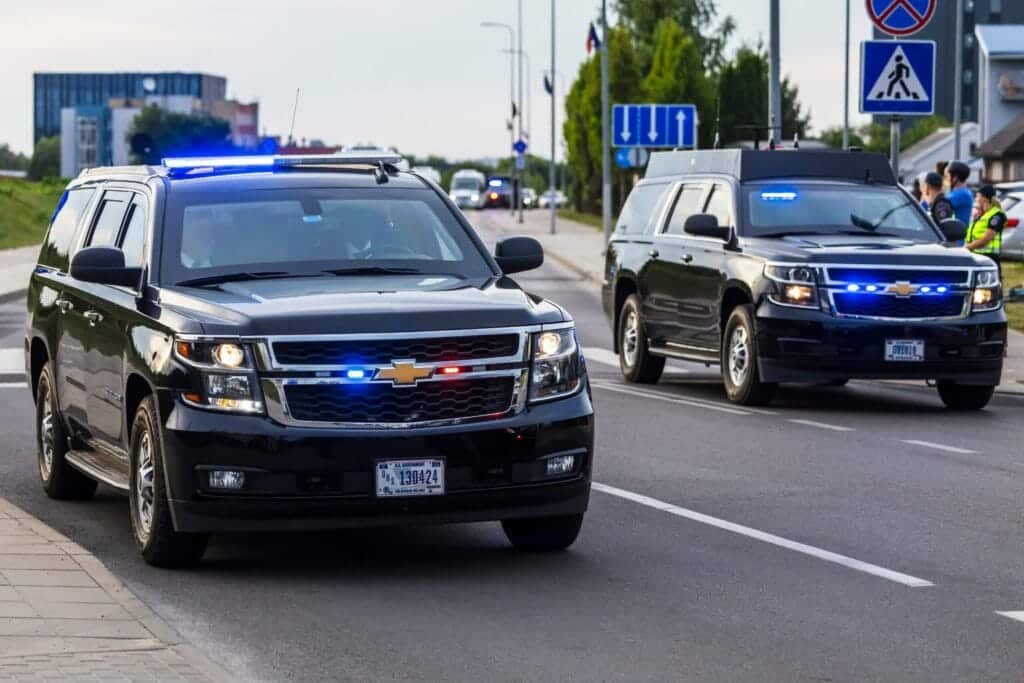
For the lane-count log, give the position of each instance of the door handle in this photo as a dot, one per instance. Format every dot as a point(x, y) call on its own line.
point(93, 317)
point(64, 305)
point(687, 258)
point(653, 253)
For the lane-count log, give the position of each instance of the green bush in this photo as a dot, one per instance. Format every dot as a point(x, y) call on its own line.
point(25, 210)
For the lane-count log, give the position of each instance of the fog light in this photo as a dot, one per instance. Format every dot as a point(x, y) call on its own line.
point(230, 480)
point(561, 464)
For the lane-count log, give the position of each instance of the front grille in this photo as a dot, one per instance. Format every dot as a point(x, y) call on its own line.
point(370, 351)
point(909, 308)
point(382, 403)
point(890, 275)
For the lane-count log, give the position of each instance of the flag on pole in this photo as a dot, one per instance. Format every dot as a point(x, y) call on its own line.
point(547, 84)
point(592, 40)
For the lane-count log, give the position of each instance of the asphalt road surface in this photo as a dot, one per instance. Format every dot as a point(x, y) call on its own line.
point(849, 534)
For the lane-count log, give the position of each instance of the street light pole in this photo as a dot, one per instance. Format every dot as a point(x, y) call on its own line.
point(958, 87)
point(529, 98)
point(606, 138)
point(519, 172)
point(551, 168)
point(774, 91)
point(511, 88)
point(846, 83)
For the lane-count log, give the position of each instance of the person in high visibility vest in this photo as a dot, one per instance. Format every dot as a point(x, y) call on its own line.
point(986, 233)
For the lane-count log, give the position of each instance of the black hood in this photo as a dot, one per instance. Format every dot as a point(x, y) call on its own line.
point(340, 305)
point(867, 250)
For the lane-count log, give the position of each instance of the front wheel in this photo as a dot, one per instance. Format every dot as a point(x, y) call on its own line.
point(636, 361)
point(964, 397)
point(740, 372)
point(543, 534)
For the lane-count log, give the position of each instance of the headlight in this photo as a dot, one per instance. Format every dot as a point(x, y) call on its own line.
point(793, 285)
point(988, 293)
point(218, 387)
point(476, 198)
point(557, 369)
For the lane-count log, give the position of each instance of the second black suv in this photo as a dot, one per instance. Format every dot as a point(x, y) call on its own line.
point(798, 266)
point(294, 342)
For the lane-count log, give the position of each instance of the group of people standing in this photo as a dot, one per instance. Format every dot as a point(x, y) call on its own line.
point(944, 194)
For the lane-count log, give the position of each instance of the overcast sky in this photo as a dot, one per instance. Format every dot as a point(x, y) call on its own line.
point(422, 76)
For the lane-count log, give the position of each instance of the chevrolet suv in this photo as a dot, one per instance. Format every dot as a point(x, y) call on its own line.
point(798, 266)
point(274, 343)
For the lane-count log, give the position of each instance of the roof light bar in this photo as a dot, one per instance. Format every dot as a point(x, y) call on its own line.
point(280, 161)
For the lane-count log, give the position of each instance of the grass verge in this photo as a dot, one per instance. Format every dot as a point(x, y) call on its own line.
point(1013, 276)
point(584, 218)
point(25, 210)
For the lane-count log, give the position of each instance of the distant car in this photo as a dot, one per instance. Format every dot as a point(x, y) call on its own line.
point(468, 189)
point(561, 200)
point(500, 192)
point(1011, 196)
point(529, 198)
point(428, 172)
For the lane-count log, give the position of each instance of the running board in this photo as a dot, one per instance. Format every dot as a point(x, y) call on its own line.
point(689, 353)
point(100, 468)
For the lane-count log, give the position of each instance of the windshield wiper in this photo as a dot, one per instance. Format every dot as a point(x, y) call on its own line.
point(240, 277)
point(865, 224)
point(374, 270)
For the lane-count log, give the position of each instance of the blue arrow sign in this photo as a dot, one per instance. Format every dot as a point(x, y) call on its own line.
point(519, 146)
point(654, 125)
point(897, 77)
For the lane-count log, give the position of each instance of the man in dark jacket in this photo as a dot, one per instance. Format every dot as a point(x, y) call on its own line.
point(939, 206)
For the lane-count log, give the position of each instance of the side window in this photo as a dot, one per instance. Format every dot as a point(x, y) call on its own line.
point(70, 209)
point(107, 225)
point(134, 239)
point(641, 209)
point(720, 205)
point(688, 203)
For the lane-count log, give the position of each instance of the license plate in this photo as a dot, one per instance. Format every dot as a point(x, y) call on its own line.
point(904, 350)
point(397, 478)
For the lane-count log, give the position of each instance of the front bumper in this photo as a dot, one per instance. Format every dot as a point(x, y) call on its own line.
point(324, 478)
point(811, 346)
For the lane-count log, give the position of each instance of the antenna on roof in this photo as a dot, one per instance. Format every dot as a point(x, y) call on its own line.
point(771, 135)
point(796, 140)
point(718, 124)
point(295, 110)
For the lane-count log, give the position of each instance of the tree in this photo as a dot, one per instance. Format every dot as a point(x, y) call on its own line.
point(161, 133)
point(833, 137)
point(922, 129)
point(45, 159)
point(696, 17)
point(677, 73)
point(743, 100)
point(11, 160)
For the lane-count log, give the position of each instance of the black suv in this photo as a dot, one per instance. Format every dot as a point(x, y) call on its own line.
point(277, 343)
point(798, 266)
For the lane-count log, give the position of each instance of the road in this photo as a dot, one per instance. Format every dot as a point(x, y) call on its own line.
point(849, 534)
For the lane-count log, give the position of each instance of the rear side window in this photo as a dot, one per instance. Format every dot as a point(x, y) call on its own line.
point(70, 209)
point(134, 239)
point(641, 210)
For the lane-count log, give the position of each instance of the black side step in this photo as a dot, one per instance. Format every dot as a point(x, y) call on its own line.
point(100, 468)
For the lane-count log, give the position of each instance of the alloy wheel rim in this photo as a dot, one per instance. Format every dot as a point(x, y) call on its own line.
point(144, 489)
point(47, 439)
point(631, 338)
point(739, 355)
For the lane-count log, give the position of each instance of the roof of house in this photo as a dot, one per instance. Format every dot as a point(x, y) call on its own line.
point(1001, 41)
point(1009, 142)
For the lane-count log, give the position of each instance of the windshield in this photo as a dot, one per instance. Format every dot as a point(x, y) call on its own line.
point(465, 184)
point(310, 231)
point(774, 209)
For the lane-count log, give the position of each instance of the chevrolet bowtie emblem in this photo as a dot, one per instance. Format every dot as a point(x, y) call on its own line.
point(404, 372)
point(902, 289)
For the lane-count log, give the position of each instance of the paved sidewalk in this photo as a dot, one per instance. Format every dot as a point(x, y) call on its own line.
point(65, 617)
point(581, 249)
point(15, 268)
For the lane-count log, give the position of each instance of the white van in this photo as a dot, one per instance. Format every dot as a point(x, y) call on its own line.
point(468, 189)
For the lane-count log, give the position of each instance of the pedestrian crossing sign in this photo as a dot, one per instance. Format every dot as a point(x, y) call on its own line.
point(897, 77)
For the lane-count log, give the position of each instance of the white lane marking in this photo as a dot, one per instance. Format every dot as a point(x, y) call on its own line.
point(668, 399)
point(13, 385)
point(826, 555)
point(939, 447)
point(822, 425)
point(610, 358)
point(12, 360)
point(1016, 616)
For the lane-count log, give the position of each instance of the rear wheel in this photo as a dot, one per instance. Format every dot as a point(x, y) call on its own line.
point(157, 541)
point(636, 361)
point(740, 372)
point(964, 396)
point(543, 534)
point(59, 479)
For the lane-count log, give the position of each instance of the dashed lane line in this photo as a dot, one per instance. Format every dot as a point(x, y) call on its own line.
point(668, 399)
point(13, 385)
point(940, 447)
point(1016, 616)
point(821, 425)
point(810, 550)
point(12, 361)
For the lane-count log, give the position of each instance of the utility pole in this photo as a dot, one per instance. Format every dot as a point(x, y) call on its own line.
point(606, 139)
point(958, 86)
point(894, 141)
point(846, 83)
point(511, 90)
point(519, 172)
point(774, 91)
point(551, 169)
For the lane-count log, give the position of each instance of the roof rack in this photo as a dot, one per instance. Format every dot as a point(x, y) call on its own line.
point(185, 165)
point(119, 170)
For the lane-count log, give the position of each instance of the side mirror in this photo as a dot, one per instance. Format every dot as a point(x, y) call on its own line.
point(104, 266)
point(706, 225)
point(516, 254)
point(953, 230)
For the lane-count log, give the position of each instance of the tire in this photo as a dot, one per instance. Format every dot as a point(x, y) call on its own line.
point(155, 538)
point(60, 480)
point(637, 363)
point(964, 397)
point(543, 534)
point(740, 371)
